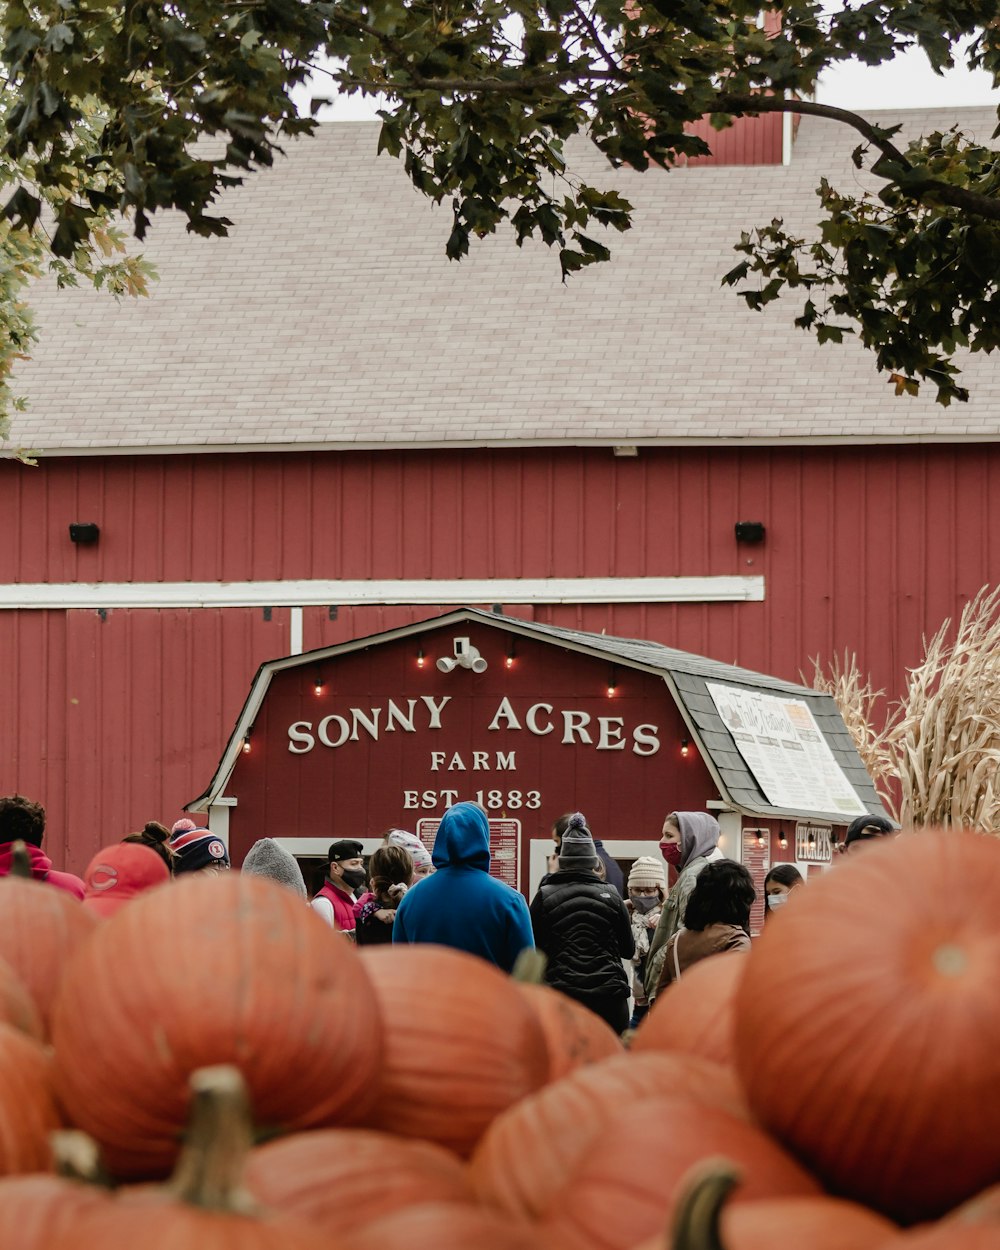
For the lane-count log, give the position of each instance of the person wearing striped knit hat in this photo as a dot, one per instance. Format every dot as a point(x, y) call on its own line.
point(197, 850)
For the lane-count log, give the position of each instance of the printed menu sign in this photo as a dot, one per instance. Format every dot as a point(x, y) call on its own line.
point(785, 750)
point(505, 841)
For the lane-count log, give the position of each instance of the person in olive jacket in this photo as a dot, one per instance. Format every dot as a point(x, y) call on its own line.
point(581, 924)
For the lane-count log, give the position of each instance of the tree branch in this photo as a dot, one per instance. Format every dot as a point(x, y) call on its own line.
point(588, 22)
point(480, 86)
point(926, 188)
point(777, 104)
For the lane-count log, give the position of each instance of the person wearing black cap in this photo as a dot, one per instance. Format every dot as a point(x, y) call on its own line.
point(866, 829)
point(344, 874)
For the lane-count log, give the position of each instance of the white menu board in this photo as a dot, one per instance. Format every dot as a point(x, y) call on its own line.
point(786, 752)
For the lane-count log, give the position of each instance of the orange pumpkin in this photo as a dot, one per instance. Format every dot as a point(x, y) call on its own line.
point(204, 1205)
point(446, 1226)
point(17, 1007)
point(569, 1115)
point(216, 969)
point(946, 1235)
point(308, 1174)
point(36, 1209)
point(867, 1018)
point(627, 1184)
point(703, 1219)
point(574, 1035)
point(27, 1111)
point(461, 1043)
point(797, 1223)
point(695, 1014)
point(41, 927)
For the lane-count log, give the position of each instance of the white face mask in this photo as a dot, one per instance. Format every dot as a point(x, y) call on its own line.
point(776, 900)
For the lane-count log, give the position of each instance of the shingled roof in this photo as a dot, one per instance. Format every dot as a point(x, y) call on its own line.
point(331, 318)
point(686, 677)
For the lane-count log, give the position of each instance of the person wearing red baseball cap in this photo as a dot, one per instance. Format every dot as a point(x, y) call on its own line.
point(120, 872)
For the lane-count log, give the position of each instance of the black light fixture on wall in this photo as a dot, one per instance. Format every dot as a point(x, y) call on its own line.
point(750, 531)
point(84, 532)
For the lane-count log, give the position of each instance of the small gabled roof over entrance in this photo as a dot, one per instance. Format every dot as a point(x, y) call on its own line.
point(688, 679)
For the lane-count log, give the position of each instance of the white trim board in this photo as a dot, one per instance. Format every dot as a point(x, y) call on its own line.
point(879, 436)
point(318, 593)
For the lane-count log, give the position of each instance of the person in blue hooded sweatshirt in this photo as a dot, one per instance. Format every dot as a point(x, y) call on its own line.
point(461, 905)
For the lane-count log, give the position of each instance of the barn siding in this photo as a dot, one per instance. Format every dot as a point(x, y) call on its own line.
point(114, 720)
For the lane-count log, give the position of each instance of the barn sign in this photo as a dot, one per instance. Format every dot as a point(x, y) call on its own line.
point(528, 720)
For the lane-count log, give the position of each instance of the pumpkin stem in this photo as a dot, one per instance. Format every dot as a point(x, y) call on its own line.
point(209, 1172)
point(78, 1157)
point(529, 967)
point(697, 1222)
point(20, 864)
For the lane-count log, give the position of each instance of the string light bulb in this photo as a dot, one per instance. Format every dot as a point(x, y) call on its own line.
point(760, 837)
point(783, 839)
point(318, 684)
point(509, 661)
point(421, 658)
point(246, 742)
point(685, 747)
point(612, 683)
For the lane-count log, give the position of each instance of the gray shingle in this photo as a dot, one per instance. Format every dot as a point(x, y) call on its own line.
point(331, 317)
point(690, 675)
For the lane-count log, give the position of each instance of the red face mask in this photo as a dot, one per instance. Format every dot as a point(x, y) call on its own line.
point(671, 853)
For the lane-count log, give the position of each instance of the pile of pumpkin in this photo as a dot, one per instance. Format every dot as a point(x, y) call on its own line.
point(253, 1080)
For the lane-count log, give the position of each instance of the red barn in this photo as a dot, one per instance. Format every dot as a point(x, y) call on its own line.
point(318, 429)
point(531, 720)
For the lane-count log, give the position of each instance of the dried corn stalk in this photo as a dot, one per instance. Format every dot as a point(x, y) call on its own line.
point(946, 741)
point(939, 747)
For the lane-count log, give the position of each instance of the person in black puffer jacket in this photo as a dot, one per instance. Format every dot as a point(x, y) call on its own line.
point(581, 924)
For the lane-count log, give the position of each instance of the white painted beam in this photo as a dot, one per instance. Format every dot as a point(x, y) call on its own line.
point(345, 593)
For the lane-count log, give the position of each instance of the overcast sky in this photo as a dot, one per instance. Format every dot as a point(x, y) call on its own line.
point(907, 82)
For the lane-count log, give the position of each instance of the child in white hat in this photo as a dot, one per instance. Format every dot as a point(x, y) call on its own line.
point(647, 888)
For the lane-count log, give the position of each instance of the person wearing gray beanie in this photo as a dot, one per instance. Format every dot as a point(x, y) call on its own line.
point(577, 850)
point(267, 858)
point(580, 923)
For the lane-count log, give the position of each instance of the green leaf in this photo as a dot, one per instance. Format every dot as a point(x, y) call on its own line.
point(829, 334)
point(591, 248)
point(736, 274)
point(21, 42)
point(72, 229)
point(458, 242)
point(23, 209)
point(58, 37)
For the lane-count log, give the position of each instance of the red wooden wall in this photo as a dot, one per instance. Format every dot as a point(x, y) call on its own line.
point(748, 141)
point(112, 720)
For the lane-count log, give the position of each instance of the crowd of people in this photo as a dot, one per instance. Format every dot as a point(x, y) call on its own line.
point(612, 943)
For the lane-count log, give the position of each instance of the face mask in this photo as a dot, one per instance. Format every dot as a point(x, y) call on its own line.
point(776, 900)
point(354, 877)
point(645, 903)
point(671, 853)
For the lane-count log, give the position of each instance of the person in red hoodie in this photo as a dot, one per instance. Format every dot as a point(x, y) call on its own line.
point(22, 820)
